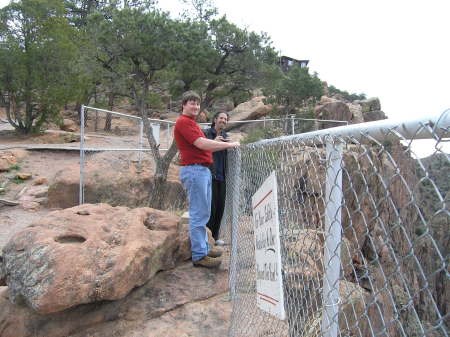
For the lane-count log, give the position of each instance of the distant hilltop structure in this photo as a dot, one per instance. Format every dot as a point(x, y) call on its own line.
point(287, 62)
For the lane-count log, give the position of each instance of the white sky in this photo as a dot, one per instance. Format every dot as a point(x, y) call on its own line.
point(397, 50)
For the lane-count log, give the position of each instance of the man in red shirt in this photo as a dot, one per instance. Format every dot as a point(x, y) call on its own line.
point(196, 158)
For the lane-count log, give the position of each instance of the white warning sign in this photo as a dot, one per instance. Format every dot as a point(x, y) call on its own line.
point(269, 283)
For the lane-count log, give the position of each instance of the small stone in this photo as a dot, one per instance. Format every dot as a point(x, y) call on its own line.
point(24, 176)
point(83, 212)
point(30, 205)
point(40, 181)
point(6, 161)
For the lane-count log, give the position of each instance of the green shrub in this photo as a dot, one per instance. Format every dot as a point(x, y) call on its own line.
point(332, 90)
point(263, 133)
point(17, 180)
point(14, 167)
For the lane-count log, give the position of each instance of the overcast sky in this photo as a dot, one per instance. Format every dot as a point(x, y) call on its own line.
point(397, 50)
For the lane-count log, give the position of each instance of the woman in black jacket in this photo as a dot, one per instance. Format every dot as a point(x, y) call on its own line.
point(216, 132)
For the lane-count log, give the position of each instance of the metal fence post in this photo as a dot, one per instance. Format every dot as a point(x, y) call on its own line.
point(293, 124)
point(332, 249)
point(236, 178)
point(81, 192)
point(141, 140)
point(168, 135)
point(156, 132)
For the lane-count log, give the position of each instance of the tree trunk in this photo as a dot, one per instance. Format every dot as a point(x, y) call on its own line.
point(160, 182)
point(9, 117)
point(108, 115)
point(160, 178)
point(162, 163)
point(208, 96)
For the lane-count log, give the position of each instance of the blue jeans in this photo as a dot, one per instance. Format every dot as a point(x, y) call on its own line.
point(196, 180)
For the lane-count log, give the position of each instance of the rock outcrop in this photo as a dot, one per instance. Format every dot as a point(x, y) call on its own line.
point(253, 109)
point(379, 218)
point(371, 109)
point(184, 301)
point(330, 108)
point(337, 111)
point(90, 253)
point(68, 125)
point(117, 181)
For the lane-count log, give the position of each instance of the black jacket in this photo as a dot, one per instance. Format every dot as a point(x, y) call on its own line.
point(219, 157)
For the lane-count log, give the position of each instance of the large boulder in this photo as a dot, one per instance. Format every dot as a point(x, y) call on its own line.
point(376, 195)
point(356, 111)
point(357, 307)
point(371, 109)
point(306, 186)
point(90, 253)
point(115, 179)
point(325, 99)
point(337, 111)
point(68, 125)
point(304, 261)
point(250, 110)
point(178, 302)
point(305, 254)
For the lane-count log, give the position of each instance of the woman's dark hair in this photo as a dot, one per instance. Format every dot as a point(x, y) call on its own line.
point(213, 123)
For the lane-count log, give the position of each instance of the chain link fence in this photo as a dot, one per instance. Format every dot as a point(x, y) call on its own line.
point(364, 230)
point(116, 164)
point(276, 127)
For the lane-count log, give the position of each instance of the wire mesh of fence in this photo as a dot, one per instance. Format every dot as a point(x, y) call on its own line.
point(116, 163)
point(364, 230)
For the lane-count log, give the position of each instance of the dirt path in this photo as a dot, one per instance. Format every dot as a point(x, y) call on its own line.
point(41, 164)
point(14, 219)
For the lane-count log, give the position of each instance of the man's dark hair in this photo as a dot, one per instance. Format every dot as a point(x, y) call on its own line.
point(213, 123)
point(190, 96)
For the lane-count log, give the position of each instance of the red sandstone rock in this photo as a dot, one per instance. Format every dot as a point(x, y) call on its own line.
point(179, 302)
point(66, 259)
point(253, 109)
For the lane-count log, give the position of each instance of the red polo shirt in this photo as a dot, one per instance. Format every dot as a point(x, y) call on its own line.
point(186, 133)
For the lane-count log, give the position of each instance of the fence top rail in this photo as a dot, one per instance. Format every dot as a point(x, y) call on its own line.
point(420, 128)
point(280, 119)
point(128, 116)
point(208, 124)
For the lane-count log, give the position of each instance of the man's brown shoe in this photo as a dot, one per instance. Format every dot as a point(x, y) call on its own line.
point(215, 252)
point(207, 262)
